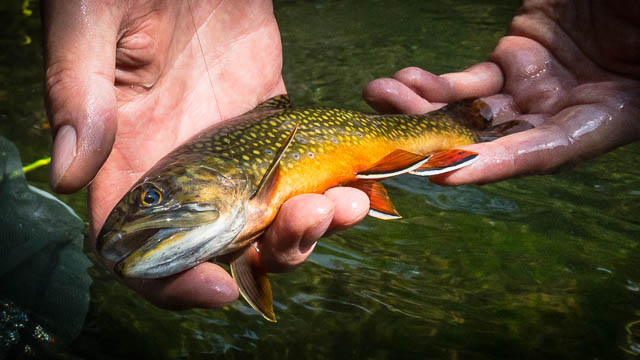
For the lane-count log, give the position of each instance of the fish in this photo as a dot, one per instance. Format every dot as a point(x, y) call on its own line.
point(214, 195)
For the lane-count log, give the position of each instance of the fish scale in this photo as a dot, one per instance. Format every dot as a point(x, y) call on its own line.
point(325, 131)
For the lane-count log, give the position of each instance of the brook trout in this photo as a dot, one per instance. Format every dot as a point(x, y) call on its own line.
point(220, 190)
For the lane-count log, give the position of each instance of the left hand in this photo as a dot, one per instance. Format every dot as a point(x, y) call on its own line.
point(574, 78)
point(127, 82)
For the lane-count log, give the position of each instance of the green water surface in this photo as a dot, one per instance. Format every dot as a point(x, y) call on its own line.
point(536, 268)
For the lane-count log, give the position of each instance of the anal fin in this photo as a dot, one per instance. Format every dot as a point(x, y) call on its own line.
point(396, 163)
point(251, 276)
point(444, 161)
point(380, 206)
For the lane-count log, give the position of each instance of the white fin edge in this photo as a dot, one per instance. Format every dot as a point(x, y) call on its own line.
point(395, 173)
point(443, 170)
point(382, 216)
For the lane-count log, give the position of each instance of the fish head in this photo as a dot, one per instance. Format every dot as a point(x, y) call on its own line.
point(179, 214)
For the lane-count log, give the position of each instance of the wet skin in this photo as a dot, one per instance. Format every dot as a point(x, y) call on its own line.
point(121, 117)
point(564, 67)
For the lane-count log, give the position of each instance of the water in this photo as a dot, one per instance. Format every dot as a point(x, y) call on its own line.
point(540, 267)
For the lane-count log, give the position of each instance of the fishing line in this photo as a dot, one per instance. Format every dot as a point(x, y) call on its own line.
point(195, 28)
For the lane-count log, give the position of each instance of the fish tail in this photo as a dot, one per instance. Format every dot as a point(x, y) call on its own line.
point(474, 114)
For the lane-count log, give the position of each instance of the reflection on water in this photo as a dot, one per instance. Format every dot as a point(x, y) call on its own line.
point(542, 267)
point(465, 198)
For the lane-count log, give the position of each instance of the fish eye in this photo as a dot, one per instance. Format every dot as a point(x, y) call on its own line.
point(151, 197)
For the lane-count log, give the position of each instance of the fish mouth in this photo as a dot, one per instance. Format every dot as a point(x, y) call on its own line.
point(117, 243)
point(144, 249)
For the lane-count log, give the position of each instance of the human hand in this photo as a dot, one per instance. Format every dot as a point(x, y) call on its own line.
point(570, 68)
point(126, 82)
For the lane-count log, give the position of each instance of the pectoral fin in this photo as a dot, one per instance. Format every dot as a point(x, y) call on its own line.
point(251, 276)
point(396, 163)
point(380, 206)
point(445, 161)
point(271, 174)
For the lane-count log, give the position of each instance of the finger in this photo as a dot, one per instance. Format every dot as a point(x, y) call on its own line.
point(428, 86)
point(204, 286)
point(390, 96)
point(482, 79)
point(574, 134)
point(351, 206)
point(536, 80)
point(479, 80)
point(416, 91)
point(505, 158)
point(300, 222)
point(80, 44)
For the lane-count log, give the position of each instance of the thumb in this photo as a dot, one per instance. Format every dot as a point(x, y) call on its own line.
point(80, 44)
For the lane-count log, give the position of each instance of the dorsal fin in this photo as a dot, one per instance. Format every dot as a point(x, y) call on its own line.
point(277, 102)
point(396, 163)
point(268, 179)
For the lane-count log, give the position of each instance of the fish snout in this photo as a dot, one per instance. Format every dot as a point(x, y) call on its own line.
point(113, 246)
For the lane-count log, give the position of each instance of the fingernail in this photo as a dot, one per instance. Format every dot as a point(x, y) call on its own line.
point(311, 236)
point(64, 151)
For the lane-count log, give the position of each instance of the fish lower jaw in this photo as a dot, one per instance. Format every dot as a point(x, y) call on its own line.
point(183, 251)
